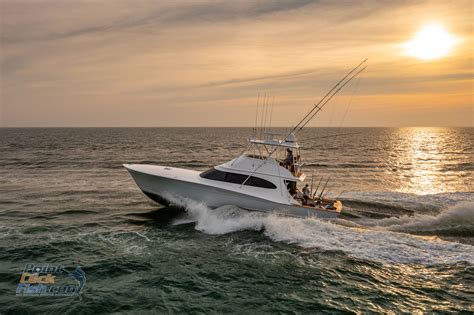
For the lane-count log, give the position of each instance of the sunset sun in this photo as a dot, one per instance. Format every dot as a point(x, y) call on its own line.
point(431, 42)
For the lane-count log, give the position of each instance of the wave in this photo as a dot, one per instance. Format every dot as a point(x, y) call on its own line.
point(226, 219)
point(457, 220)
point(76, 212)
point(461, 167)
point(379, 245)
point(389, 204)
point(342, 165)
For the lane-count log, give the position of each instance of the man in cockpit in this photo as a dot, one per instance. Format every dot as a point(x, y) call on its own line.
point(306, 194)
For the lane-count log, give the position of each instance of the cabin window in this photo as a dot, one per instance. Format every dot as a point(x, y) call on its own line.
point(214, 175)
point(260, 182)
point(234, 178)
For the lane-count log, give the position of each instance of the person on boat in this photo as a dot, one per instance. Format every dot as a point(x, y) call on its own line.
point(289, 158)
point(306, 194)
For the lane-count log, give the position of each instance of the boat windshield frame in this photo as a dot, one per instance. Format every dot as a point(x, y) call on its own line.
point(276, 149)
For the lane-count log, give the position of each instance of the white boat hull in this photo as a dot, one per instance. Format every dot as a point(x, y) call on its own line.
point(166, 190)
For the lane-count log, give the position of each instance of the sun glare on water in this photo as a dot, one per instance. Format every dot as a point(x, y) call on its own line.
point(431, 42)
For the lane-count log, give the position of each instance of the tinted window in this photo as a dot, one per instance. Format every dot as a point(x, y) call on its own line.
point(214, 175)
point(259, 182)
point(233, 178)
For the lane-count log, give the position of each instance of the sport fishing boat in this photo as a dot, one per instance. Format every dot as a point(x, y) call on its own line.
point(266, 177)
point(252, 181)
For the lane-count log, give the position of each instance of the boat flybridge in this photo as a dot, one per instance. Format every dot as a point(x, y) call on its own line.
point(264, 178)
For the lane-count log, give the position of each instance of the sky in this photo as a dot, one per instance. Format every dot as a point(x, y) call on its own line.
point(204, 63)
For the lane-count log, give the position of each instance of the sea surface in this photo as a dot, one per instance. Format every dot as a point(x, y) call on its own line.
point(405, 241)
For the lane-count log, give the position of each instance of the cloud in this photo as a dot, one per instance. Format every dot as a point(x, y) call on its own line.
point(215, 11)
point(125, 57)
point(145, 13)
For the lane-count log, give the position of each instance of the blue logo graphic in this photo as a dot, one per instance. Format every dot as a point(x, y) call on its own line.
point(79, 275)
point(50, 280)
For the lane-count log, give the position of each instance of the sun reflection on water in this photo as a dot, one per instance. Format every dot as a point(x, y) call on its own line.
point(423, 158)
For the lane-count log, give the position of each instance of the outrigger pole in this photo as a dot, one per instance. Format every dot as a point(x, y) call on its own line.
point(317, 106)
point(335, 135)
point(320, 107)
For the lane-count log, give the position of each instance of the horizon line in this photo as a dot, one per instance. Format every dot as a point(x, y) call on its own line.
point(249, 127)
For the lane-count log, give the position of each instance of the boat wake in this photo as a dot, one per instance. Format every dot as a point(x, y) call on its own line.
point(385, 242)
point(457, 220)
point(389, 204)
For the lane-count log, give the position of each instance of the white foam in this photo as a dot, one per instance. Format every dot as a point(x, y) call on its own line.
point(378, 245)
point(223, 220)
point(421, 204)
point(375, 245)
point(458, 218)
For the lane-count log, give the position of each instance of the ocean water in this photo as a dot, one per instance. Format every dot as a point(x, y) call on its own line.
point(405, 241)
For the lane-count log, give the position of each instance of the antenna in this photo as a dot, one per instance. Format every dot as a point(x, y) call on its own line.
point(266, 114)
point(263, 111)
point(256, 117)
point(271, 112)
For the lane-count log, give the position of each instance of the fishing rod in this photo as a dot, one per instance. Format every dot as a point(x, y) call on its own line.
point(317, 188)
point(325, 194)
point(327, 94)
point(312, 178)
point(321, 195)
point(340, 194)
point(320, 108)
